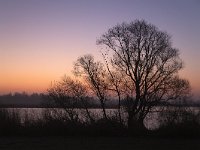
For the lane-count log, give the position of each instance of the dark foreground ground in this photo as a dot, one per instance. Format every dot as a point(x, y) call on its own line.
point(96, 143)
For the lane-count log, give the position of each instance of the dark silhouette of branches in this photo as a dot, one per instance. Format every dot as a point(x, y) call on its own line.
point(95, 75)
point(70, 94)
point(140, 72)
point(145, 55)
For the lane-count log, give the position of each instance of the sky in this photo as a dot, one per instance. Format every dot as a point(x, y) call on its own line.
point(41, 39)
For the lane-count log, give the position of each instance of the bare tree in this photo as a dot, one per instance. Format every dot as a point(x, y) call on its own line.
point(144, 54)
point(95, 75)
point(70, 94)
point(115, 80)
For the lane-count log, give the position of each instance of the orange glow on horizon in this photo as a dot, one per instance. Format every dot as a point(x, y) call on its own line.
point(29, 81)
point(40, 82)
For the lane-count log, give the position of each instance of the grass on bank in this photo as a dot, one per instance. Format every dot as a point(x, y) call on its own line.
point(173, 123)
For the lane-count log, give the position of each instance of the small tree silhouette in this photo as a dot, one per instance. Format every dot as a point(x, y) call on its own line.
point(69, 95)
point(95, 75)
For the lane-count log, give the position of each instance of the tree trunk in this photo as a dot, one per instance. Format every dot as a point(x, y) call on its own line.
point(135, 124)
point(119, 107)
point(104, 112)
point(130, 119)
point(103, 109)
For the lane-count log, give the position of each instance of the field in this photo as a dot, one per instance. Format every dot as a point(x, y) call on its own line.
point(97, 143)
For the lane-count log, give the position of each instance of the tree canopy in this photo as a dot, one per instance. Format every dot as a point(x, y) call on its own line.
point(144, 54)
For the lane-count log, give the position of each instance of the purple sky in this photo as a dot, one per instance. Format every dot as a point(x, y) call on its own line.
point(40, 39)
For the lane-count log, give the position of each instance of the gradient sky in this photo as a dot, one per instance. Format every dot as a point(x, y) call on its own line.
point(40, 39)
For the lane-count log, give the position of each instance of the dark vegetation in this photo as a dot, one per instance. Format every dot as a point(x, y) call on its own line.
point(97, 143)
point(139, 77)
point(172, 122)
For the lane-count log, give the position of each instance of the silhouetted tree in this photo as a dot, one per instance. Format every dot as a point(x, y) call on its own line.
point(95, 75)
point(70, 94)
point(147, 60)
point(116, 85)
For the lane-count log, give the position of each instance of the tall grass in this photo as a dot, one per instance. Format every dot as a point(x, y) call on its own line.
point(10, 122)
point(174, 121)
point(179, 121)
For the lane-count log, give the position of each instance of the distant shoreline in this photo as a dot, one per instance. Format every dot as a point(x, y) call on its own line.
point(93, 107)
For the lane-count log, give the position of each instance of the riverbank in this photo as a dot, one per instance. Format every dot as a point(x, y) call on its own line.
point(97, 143)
